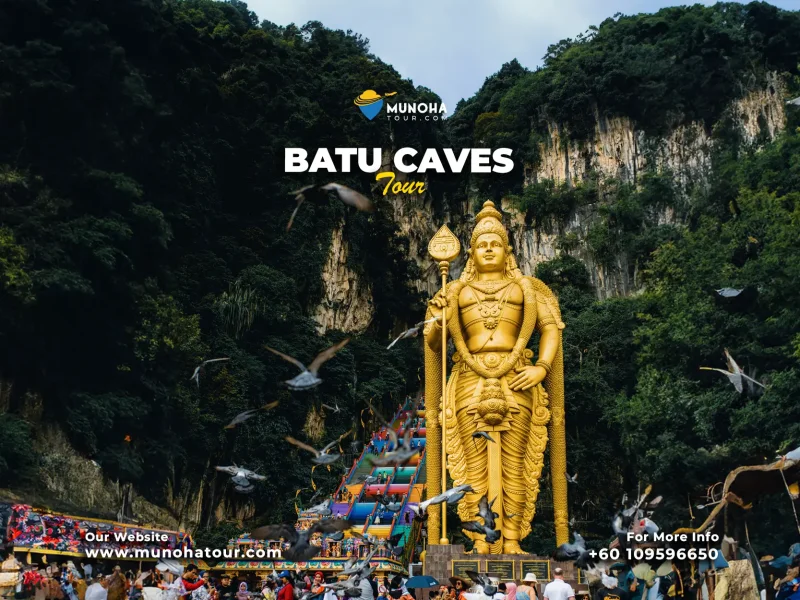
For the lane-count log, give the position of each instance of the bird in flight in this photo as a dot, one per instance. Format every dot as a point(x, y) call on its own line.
point(727, 292)
point(489, 589)
point(323, 509)
point(248, 414)
point(482, 434)
point(241, 476)
point(485, 511)
point(345, 194)
point(492, 535)
point(451, 496)
point(575, 552)
point(412, 332)
point(308, 378)
point(324, 456)
point(201, 367)
point(335, 408)
point(300, 546)
point(735, 374)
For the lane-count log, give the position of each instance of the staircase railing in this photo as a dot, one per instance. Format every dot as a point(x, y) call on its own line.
point(411, 484)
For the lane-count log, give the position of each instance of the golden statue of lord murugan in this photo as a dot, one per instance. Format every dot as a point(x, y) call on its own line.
point(494, 387)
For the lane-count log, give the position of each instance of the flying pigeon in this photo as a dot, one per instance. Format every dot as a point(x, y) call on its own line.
point(794, 101)
point(300, 547)
point(241, 476)
point(201, 367)
point(727, 292)
point(451, 496)
point(485, 511)
point(335, 408)
point(392, 542)
point(734, 374)
point(347, 588)
point(322, 509)
point(412, 332)
point(244, 416)
point(492, 535)
point(308, 376)
point(324, 456)
point(345, 194)
point(572, 478)
point(482, 434)
point(483, 580)
point(360, 568)
point(575, 552)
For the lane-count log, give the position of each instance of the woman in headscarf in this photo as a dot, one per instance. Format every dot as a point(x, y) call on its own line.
point(511, 591)
point(242, 594)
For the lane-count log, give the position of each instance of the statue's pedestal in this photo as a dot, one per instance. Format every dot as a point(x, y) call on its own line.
point(445, 561)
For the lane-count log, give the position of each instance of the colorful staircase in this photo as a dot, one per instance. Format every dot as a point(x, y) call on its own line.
point(406, 484)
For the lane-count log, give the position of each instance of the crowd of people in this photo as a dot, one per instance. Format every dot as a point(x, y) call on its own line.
point(528, 588)
point(62, 582)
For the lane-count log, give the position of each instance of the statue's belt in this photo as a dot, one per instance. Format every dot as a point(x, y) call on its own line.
point(492, 403)
point(492, 359)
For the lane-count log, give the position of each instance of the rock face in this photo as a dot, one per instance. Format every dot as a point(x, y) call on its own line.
point(415, 217)
point(347, 303)
point(621, 151)
point(617, 150)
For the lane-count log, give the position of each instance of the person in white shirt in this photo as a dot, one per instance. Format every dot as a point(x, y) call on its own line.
point(366, 590)
point(558, 589)
point(97, 591)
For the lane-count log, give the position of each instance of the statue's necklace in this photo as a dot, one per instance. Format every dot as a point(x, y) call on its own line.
point(489, 287)
point(490, 309)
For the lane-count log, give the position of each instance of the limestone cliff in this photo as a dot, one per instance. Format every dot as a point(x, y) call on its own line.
point(346, 303)
point(620, 150)
point(616, 150)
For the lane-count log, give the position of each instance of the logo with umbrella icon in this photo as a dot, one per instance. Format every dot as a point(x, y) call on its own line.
point(371, 102)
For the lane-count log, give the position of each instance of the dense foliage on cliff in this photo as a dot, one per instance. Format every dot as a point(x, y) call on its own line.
point(678, 65)
point(143, 209)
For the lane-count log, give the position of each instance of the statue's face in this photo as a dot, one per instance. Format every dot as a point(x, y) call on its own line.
point(489, 253)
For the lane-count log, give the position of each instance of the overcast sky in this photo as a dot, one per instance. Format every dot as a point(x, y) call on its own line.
point(451, 46)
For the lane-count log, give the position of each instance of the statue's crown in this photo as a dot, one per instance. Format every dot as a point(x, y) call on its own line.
point(489, 220)
point(487, 211)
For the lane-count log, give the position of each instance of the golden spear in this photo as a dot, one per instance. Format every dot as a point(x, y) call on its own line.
point(444, 247)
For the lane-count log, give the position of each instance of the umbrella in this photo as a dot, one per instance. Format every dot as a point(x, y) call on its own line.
point(421, 581)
